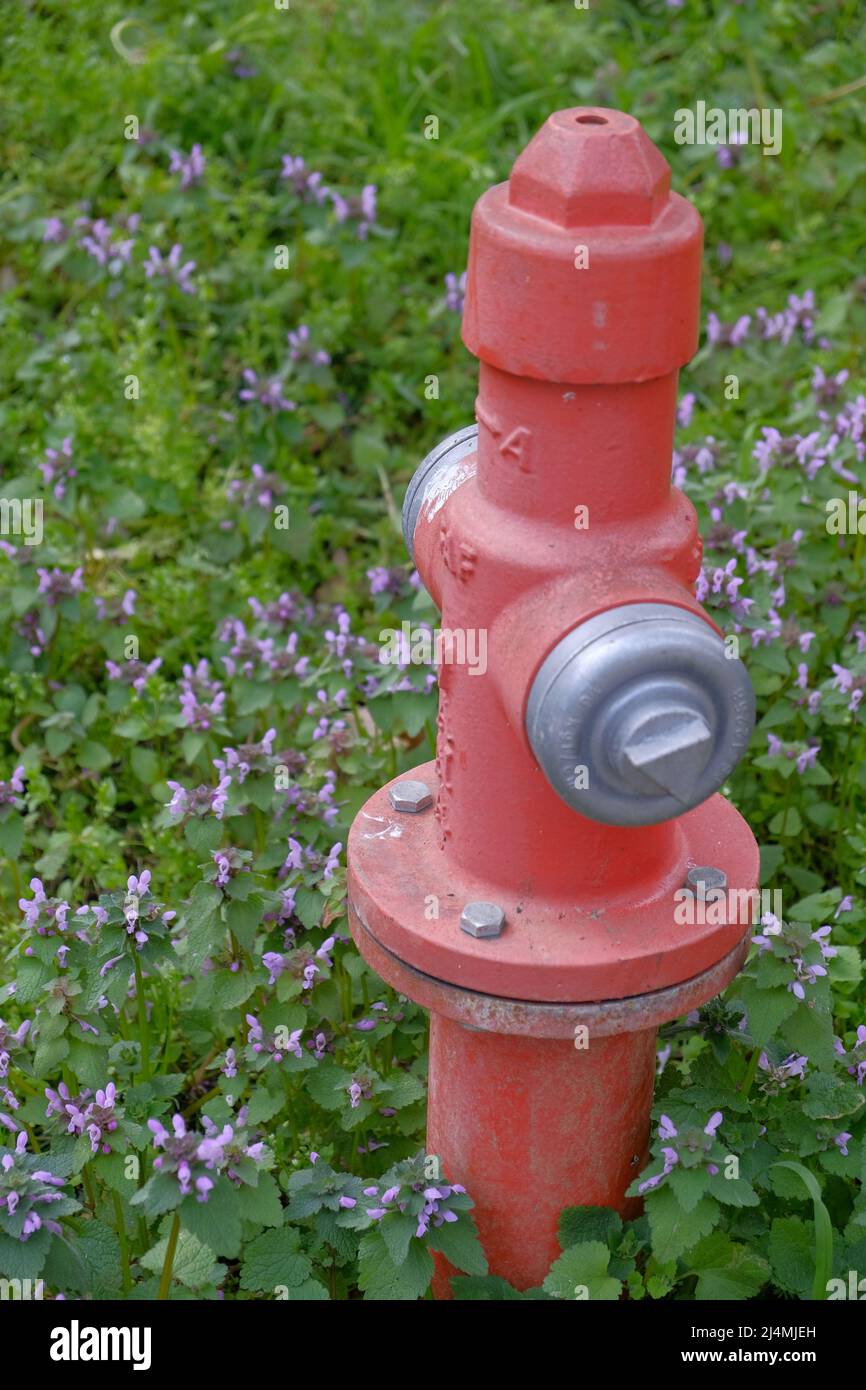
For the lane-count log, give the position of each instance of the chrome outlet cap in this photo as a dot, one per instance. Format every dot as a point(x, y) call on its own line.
point(446, 454)
point(639, 714)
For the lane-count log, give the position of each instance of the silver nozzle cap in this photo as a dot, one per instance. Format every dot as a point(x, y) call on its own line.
point(449, 452)
point(639, 714)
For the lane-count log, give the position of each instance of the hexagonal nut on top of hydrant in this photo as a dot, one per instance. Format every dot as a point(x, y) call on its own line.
point(578, 764)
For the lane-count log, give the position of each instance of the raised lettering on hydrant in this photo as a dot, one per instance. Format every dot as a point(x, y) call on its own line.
point(574, 788)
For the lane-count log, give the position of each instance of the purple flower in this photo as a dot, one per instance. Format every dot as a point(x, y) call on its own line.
point(54, 585)
point(22, 1191)
point(302, 350)
point(666, 1128)
point(190, 166)
point(727, 335)
point(54, 230)
point(96, 1118)
point(57, 467)
point(185, 1153)
point(455, 292)
point(804, 975)
point(170, 268)
point(307, 185)
point(8, 1039)
point(111, 247)
point(267, 392)
point(11, 791)
point(362, 208)
point(792, 1068)
point(133, 672)
point(202, 801)
point(857, 1056)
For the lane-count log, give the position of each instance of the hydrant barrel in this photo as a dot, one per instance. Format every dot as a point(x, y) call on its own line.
point(523, 889)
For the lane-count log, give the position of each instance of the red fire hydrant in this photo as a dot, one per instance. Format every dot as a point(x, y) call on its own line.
point(522, 887)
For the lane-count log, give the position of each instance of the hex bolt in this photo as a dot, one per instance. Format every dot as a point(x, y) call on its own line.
point(482, 919)
point(410, 796)
point(706, 880)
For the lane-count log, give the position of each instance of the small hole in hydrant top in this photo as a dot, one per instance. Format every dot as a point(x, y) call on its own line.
point(591, 120)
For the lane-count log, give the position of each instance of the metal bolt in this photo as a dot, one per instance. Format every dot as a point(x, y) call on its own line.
point(410, 796)
point(706, 880)
point(482, 919)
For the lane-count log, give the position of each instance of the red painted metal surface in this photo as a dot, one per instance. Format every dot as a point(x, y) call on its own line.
point(593, 929)
point(576, 405)
point(494, 1096)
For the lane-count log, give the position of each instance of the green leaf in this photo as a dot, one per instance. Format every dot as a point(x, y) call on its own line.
point(674, 1231)
point(309, 906)
point(11, 835)
point(847, 965)
point(264, 1105)
point(216, 1222)
point(817, 907)
point(689, 1185)
point(65, 1268)
point(458, 1242)
point(32, 977)
point(578, 1224)
point(403, 1089)
point(261, 1203)
point(328, 1086)
point(159, 1195)
point(765, 1009)
point(581, 1273)
point(225, 989)
point(145, 765)
point(831, 1097)
point(94, 756)
point(244, 918)
point(88, 1063)
point(397, 1230)
point(823, 1257)
point(786, 823)
point(194, 1264)
point(203, 835)
point(382, 1281)
point(733, 1192)
point(203, 925)
point(23, 1259)
point(48, 1055)
point(273, 1261)
point(727, 1270)
point(791, 1259)
point(809, 1031)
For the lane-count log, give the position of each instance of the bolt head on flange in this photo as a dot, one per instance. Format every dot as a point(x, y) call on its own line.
point(705, 879)
point(482, 919)
point(411, 795)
